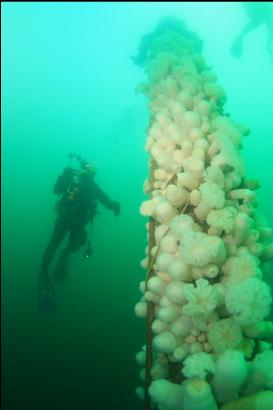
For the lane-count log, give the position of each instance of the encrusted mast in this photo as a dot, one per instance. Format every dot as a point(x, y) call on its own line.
point(208, 341)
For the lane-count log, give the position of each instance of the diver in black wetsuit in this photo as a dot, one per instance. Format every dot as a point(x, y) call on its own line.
point(258, 13)
point(76, 208)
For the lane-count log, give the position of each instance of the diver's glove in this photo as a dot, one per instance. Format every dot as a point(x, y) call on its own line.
point(116, 208)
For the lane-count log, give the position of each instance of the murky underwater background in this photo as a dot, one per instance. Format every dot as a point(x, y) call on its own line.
point(68, 85)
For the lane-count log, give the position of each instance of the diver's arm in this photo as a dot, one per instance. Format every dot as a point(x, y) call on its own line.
point(63, 181)
point(103, 198)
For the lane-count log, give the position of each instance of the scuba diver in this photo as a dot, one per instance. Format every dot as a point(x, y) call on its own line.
point(258, 13)
point(76, 207)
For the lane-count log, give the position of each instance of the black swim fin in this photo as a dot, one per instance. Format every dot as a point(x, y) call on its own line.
point(47, 299)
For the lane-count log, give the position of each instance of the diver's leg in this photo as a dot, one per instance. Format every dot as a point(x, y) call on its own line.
point(59, 232)
point(46, 294)
point(77, 239)
point(237, 46)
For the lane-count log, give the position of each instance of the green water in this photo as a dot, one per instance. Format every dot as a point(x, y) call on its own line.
point(68, 86)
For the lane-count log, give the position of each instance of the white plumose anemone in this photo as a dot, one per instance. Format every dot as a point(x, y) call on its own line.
point(201, 302)
point(249, 301)
point(199, 249)
point(198, 365)
point(261, 373)
point(224, 334)
point(164, 343)
point(230, 374)
point(166, 395)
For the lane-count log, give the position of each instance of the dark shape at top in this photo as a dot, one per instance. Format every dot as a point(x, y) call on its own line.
point(166, 24)
point(258, 11)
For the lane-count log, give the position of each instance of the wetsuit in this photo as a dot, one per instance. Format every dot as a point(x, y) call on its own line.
point(77, 206)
